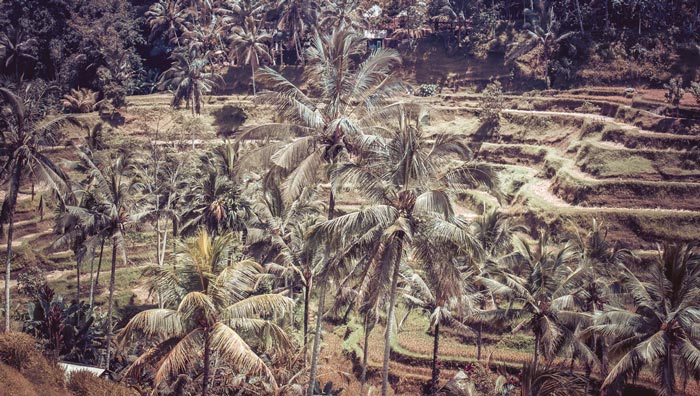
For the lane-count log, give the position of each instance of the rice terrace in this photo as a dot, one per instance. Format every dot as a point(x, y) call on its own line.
point(350, 197)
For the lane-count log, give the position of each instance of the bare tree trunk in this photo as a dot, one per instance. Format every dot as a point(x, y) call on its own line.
point(77, 280)
point(92, 283)
point(317, 337)
point(321, 302)
point(479, 341)
point(390, 318)
point(537, 352)
point(365, 350)
point(99, 263)
point(207, 353)
point(578, 12)
point(12, 201)
point(112, 275)
point(8, 268)
point(307, 296)
point(435, 367)
point(252, 68)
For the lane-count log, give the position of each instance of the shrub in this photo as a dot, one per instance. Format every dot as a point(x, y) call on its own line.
point(695, 90)
point(426, 90)
point(674, 92)
point(491, 103)
point(16, 349)
point(80, 100)
point(588, 107)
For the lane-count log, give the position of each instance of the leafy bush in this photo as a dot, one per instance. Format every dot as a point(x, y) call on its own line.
point(588, 107)
point(426, 90)
point(491, 103)
point(80, 100)
point(695, 90)
point(674, 92)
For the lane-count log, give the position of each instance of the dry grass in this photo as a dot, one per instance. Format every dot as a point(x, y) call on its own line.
point(83, 383)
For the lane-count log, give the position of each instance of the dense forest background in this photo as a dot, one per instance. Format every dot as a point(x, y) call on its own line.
point(120, 47)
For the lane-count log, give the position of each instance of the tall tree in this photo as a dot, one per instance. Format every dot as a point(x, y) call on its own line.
point(296, 19)
point(329, 126)
point(406, 176)
point(24, 135)
point(168, 18)
point(211, 313)
point(190, 77)
point(659, 329)
point(114, 188)
point(250, 45)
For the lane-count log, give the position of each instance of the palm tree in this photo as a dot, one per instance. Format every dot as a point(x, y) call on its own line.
point(407, 177)
point(210, 308)
point(249, 45)
point(23, 137)
point(486, 242)
point(214, 202)
point(296, 18)
point(15, 48)
point(543, 34)
point(113, 189)
point(277, 237)
point(329, 126)
point(190, 77)
point(443, 288)
point(546, 306)
point(242, 9)
point(167, 17)
point(659, 329)
point(337, 13)
point(592, 286)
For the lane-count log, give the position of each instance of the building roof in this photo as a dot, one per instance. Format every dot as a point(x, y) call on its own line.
point(70, 368)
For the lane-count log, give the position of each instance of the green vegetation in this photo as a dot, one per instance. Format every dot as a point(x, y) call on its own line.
point(440, 198)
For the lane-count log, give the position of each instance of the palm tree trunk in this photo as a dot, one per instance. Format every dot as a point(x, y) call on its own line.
point(317, 337)
point(537, 351)
point(77, 280)
point(578, 12)
point(111, 298)
point(479, 341)
point(12, 201)
point(92, 284)
point(8, 268)
point(436, 369)
point(252, 68)
point(207, 353)
point(99, 263)
point(365, 350)
point(321, 302)
point(390, 318)
point(307, 296)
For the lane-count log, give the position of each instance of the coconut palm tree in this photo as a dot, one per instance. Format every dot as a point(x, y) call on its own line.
point(487, 243)
point(595, 277)
point(296, 19)
point(211, 313)
point(215, 202)
point(16, 48)
point(23, 137)
point(545, 305)
point(544, 35)
point(240, 10)
point(336, 13)
point(277, 237)
point(250, 45)
point(659, 329)
point(444, 288)
point(113, 188)
point(329, 126)
point(168, 18)
point(190, 77)
point(407, 177)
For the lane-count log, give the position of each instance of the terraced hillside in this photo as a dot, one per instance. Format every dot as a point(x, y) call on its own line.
point(563, 160)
